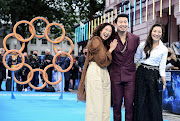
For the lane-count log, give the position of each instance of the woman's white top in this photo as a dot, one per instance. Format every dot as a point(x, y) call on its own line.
point(158, 57)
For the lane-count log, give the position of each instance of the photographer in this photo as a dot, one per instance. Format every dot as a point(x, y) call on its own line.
point(46, 61)
point(12, 61)
point(35, 62)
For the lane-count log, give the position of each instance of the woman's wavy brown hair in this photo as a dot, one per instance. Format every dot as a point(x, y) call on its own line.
point(149, 41)
point(99, 28)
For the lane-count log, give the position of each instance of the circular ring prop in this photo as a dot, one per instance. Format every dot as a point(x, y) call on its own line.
point(19, 66)
point(57, 67)
point(34, 19)
point(33, 33)
point(32, 86)
point(44, 72)
point(58, 40)
point(29, 79)
point(10, 35)
point(27, 22)
point(54, 47)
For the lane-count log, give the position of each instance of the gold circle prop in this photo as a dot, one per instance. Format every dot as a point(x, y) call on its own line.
point(52, 83)
point(19, 66)
point(9, 35)
point(15, 34)
point(29, 79)
point(54, 46)
point(32, 86)
point(58, 40)
point(34, 19)
point(33, 33)
point(57, 67)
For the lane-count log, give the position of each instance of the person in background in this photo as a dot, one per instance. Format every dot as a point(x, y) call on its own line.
point(81, 59)
point(61, 62)
point(2, 68)
point(172, 61)
point(74, 72)
point(46, 61)
point(12, 61)
point(67, 74)
point(25, 71)
point(35, 62)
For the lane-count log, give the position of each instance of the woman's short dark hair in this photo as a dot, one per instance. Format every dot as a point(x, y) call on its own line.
point(99, 28)
point(121, 15)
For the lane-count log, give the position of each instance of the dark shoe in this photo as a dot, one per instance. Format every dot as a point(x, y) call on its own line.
point(66, 90)
point(1, 90)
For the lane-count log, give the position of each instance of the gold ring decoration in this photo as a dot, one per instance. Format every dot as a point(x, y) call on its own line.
point(57, 67)
point(29, 79)
point(54, 47)
point(58, 40)
point(15, 34)
point(33, 33)
point(19, 66)
point(9, 35)
point(44, 72)
point(32, 86)
point(34, 19)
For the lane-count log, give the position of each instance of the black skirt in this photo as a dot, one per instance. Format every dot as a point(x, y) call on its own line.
point(147, 100)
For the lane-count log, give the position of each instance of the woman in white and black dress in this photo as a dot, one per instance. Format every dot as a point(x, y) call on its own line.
point(152, 56)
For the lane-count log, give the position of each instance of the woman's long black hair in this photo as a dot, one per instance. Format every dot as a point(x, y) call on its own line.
point(99, 29)
point(149, 41)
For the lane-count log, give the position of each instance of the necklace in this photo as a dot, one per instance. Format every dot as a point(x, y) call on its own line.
point(124, 47)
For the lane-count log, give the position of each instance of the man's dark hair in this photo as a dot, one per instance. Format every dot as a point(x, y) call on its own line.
point(121, 15)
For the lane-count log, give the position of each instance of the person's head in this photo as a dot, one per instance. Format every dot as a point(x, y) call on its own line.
point(2, 50)
point(47, 52)
point(155, 34)
point(85, 51)
point(171, 54)
point(121, 23)
point(59, 50)
point(25, 54)
point(35, 52)
point(106, 31)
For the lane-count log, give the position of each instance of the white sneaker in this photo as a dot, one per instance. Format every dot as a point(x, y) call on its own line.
point(25, 89)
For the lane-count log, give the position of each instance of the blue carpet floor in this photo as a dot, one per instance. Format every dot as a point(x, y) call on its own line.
point(42, 106)
point(39, 106)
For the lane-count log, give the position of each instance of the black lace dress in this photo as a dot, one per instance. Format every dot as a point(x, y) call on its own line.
point(148, 100)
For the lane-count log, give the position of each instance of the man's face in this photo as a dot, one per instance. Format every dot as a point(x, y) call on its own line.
point(25, 54)
point(85, 52)
point(2, 50)
point(122, 24)
point(35, 52)
point(47, 53)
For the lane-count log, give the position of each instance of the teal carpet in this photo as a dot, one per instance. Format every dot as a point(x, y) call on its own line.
point(42, 106)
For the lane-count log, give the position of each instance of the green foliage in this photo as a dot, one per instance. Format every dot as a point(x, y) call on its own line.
point(66, 12)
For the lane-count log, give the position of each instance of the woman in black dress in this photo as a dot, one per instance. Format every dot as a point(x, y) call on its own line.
point(152, 56)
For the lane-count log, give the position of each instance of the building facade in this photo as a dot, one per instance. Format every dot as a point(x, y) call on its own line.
point(170, 19)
